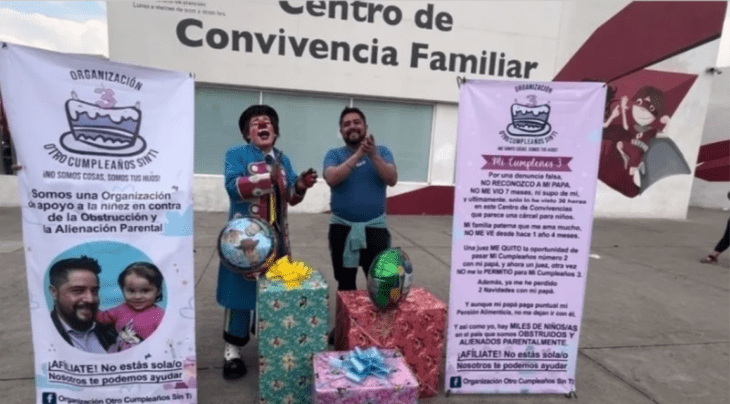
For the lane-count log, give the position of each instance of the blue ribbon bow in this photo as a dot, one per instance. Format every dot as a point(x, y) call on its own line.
point(359, 364)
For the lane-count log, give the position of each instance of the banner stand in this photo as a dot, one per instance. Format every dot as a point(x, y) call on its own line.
point(106, 191)
point(527, 163)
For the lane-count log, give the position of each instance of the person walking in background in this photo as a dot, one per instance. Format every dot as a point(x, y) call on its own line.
point(721, 246)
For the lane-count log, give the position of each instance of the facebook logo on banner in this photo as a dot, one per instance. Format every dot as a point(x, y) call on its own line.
point(49, 398)
point(455, 382)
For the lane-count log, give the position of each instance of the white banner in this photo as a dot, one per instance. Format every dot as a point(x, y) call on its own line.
point(106, 151)
point(523, 215)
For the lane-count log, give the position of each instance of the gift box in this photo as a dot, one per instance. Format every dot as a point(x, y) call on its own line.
point(332, 386)
point(415, 327)
point(292, 327)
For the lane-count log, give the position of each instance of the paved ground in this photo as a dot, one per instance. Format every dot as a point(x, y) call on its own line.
point(656, 323)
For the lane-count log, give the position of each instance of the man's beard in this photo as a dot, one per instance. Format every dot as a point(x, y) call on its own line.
point(356, 142)
point(78, 324)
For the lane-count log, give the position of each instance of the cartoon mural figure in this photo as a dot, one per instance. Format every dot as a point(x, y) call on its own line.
point(632, 155)
point(640, 125)
point(647, 106)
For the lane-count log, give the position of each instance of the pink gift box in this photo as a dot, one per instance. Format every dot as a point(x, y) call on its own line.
point(332, 387)
point(415, 327)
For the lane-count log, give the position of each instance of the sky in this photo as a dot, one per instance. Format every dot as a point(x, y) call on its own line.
point(63, 26)
point(80, 27)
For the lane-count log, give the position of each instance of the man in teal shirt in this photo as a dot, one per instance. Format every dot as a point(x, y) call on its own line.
point(357, 174)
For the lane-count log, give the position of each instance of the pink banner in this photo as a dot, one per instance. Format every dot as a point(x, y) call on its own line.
point(521, 234)
point(526, 163)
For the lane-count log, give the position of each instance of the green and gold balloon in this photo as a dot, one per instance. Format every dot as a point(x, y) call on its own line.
point(390, 278)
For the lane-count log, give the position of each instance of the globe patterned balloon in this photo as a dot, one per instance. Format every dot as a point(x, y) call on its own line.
point(246, 244)
point(390, 278)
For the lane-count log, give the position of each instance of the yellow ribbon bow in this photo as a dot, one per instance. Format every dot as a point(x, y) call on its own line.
point(292, 274)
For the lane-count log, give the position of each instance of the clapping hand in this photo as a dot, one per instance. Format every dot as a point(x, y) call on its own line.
point(368, 145)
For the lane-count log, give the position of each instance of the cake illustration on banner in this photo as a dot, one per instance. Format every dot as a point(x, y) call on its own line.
point(530, 119)
point(101, 128)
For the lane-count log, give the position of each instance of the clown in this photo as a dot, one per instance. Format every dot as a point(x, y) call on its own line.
point(260, 182)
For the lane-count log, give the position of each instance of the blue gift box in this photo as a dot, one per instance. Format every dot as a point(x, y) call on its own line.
point(292, 327)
